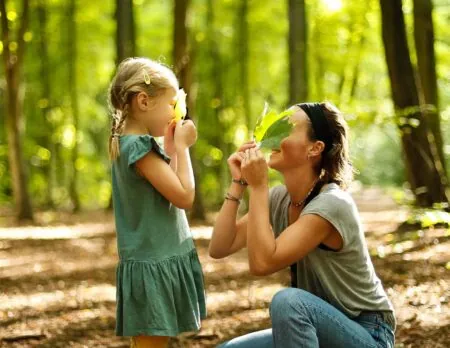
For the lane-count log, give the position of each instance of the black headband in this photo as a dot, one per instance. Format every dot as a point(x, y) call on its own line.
point(319, 123)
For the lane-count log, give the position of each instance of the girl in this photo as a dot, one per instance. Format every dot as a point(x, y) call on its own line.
point(160, 290)
point(311, 222)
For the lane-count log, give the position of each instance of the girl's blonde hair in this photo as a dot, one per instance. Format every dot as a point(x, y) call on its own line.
point(134, 75)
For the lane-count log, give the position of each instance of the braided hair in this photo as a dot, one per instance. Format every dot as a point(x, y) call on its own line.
point(134, 75)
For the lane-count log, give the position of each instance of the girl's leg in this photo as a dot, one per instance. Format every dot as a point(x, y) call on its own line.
point(149, 342)
point(300, 319)
point(260, 339)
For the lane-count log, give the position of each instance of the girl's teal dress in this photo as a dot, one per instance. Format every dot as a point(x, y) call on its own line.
point(160, 289)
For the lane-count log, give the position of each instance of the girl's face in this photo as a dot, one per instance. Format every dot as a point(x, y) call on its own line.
point(294, 149)
point(161, 112)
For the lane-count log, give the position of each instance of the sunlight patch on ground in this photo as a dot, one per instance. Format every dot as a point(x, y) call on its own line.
point(20, 261)
point(49, 265)
point(222, 266)
point(426, 303)
point(438, 253)
point(243, 297)
point(428, 242)
point(72, 297)
point(383, 221)
point(202, 232)
point(57, 232)
point(54, 327)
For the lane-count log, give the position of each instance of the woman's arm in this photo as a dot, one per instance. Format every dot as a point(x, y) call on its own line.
point(230, 235)
point(267, 254)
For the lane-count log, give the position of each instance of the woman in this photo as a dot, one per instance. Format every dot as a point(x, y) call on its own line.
point(312, 223)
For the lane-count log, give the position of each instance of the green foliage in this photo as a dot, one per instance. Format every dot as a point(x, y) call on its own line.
point(346, 66)
point(272, 128)
point(428, 218)
point(376, 154)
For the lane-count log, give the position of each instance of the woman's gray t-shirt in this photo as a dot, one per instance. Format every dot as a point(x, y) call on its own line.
point(346, 278)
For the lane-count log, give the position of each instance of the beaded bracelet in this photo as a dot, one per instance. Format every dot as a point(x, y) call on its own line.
point(230, 197)
point(240, 182)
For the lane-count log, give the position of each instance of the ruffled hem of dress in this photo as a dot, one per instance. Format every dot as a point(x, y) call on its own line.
point(163, 298)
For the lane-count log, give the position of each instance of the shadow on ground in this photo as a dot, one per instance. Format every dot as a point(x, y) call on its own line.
point(60, 292)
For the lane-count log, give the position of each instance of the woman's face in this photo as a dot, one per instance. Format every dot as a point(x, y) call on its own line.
point(294, 149)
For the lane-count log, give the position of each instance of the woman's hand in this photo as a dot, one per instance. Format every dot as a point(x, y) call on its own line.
point(254, 168)
point(185, 134)
point(169, 140)
point(235, 160)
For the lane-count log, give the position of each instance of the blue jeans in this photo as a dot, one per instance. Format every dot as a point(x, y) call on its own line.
point(300, 319)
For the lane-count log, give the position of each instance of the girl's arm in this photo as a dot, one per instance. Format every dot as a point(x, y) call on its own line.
point(178, 187)
point(267, 254)
point(169, 145)
point(173, 162)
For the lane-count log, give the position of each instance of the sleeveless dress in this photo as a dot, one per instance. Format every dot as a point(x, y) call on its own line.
point(160, 288)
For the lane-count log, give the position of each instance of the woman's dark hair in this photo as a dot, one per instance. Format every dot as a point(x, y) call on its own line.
point(335, 165)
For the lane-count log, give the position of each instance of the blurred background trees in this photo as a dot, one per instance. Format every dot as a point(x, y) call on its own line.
point(384, 63)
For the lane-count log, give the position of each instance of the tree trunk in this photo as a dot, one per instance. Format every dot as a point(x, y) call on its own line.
point(424, 42)
point(420, 163)
point(180, 54)
point(215, 74)
point(298, 40)
point(319, 65)
point(13, 61)
point(181, 61)
point(356, 68)
point(72, 65)
point(46, 96)
point(125, 33)
point(243, 57)
point(125, 39)
point(353, 61)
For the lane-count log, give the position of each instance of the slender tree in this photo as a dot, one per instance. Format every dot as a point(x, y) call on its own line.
point(243, 57)
point(125, 37)
point(217, 88)
point(72, 86)
point(182, 62)
point(352, 64)
point(426, 61)
point(318, 60)
point(420, 160)
point(13, 56)
point(298, 67)
point(46, 99)
point(298, 47)
point(126, 30)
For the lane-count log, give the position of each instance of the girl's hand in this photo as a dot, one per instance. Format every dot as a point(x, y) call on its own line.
point(169, 140)
point(254, 168)
point(185, 134)
point(235, 160)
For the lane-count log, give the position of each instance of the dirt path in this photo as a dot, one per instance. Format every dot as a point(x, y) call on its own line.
point(57, 283)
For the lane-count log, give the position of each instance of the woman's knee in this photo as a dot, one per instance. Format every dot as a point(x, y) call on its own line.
point(287, 300)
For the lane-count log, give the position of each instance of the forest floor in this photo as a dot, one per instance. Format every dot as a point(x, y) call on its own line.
point(57, 281)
